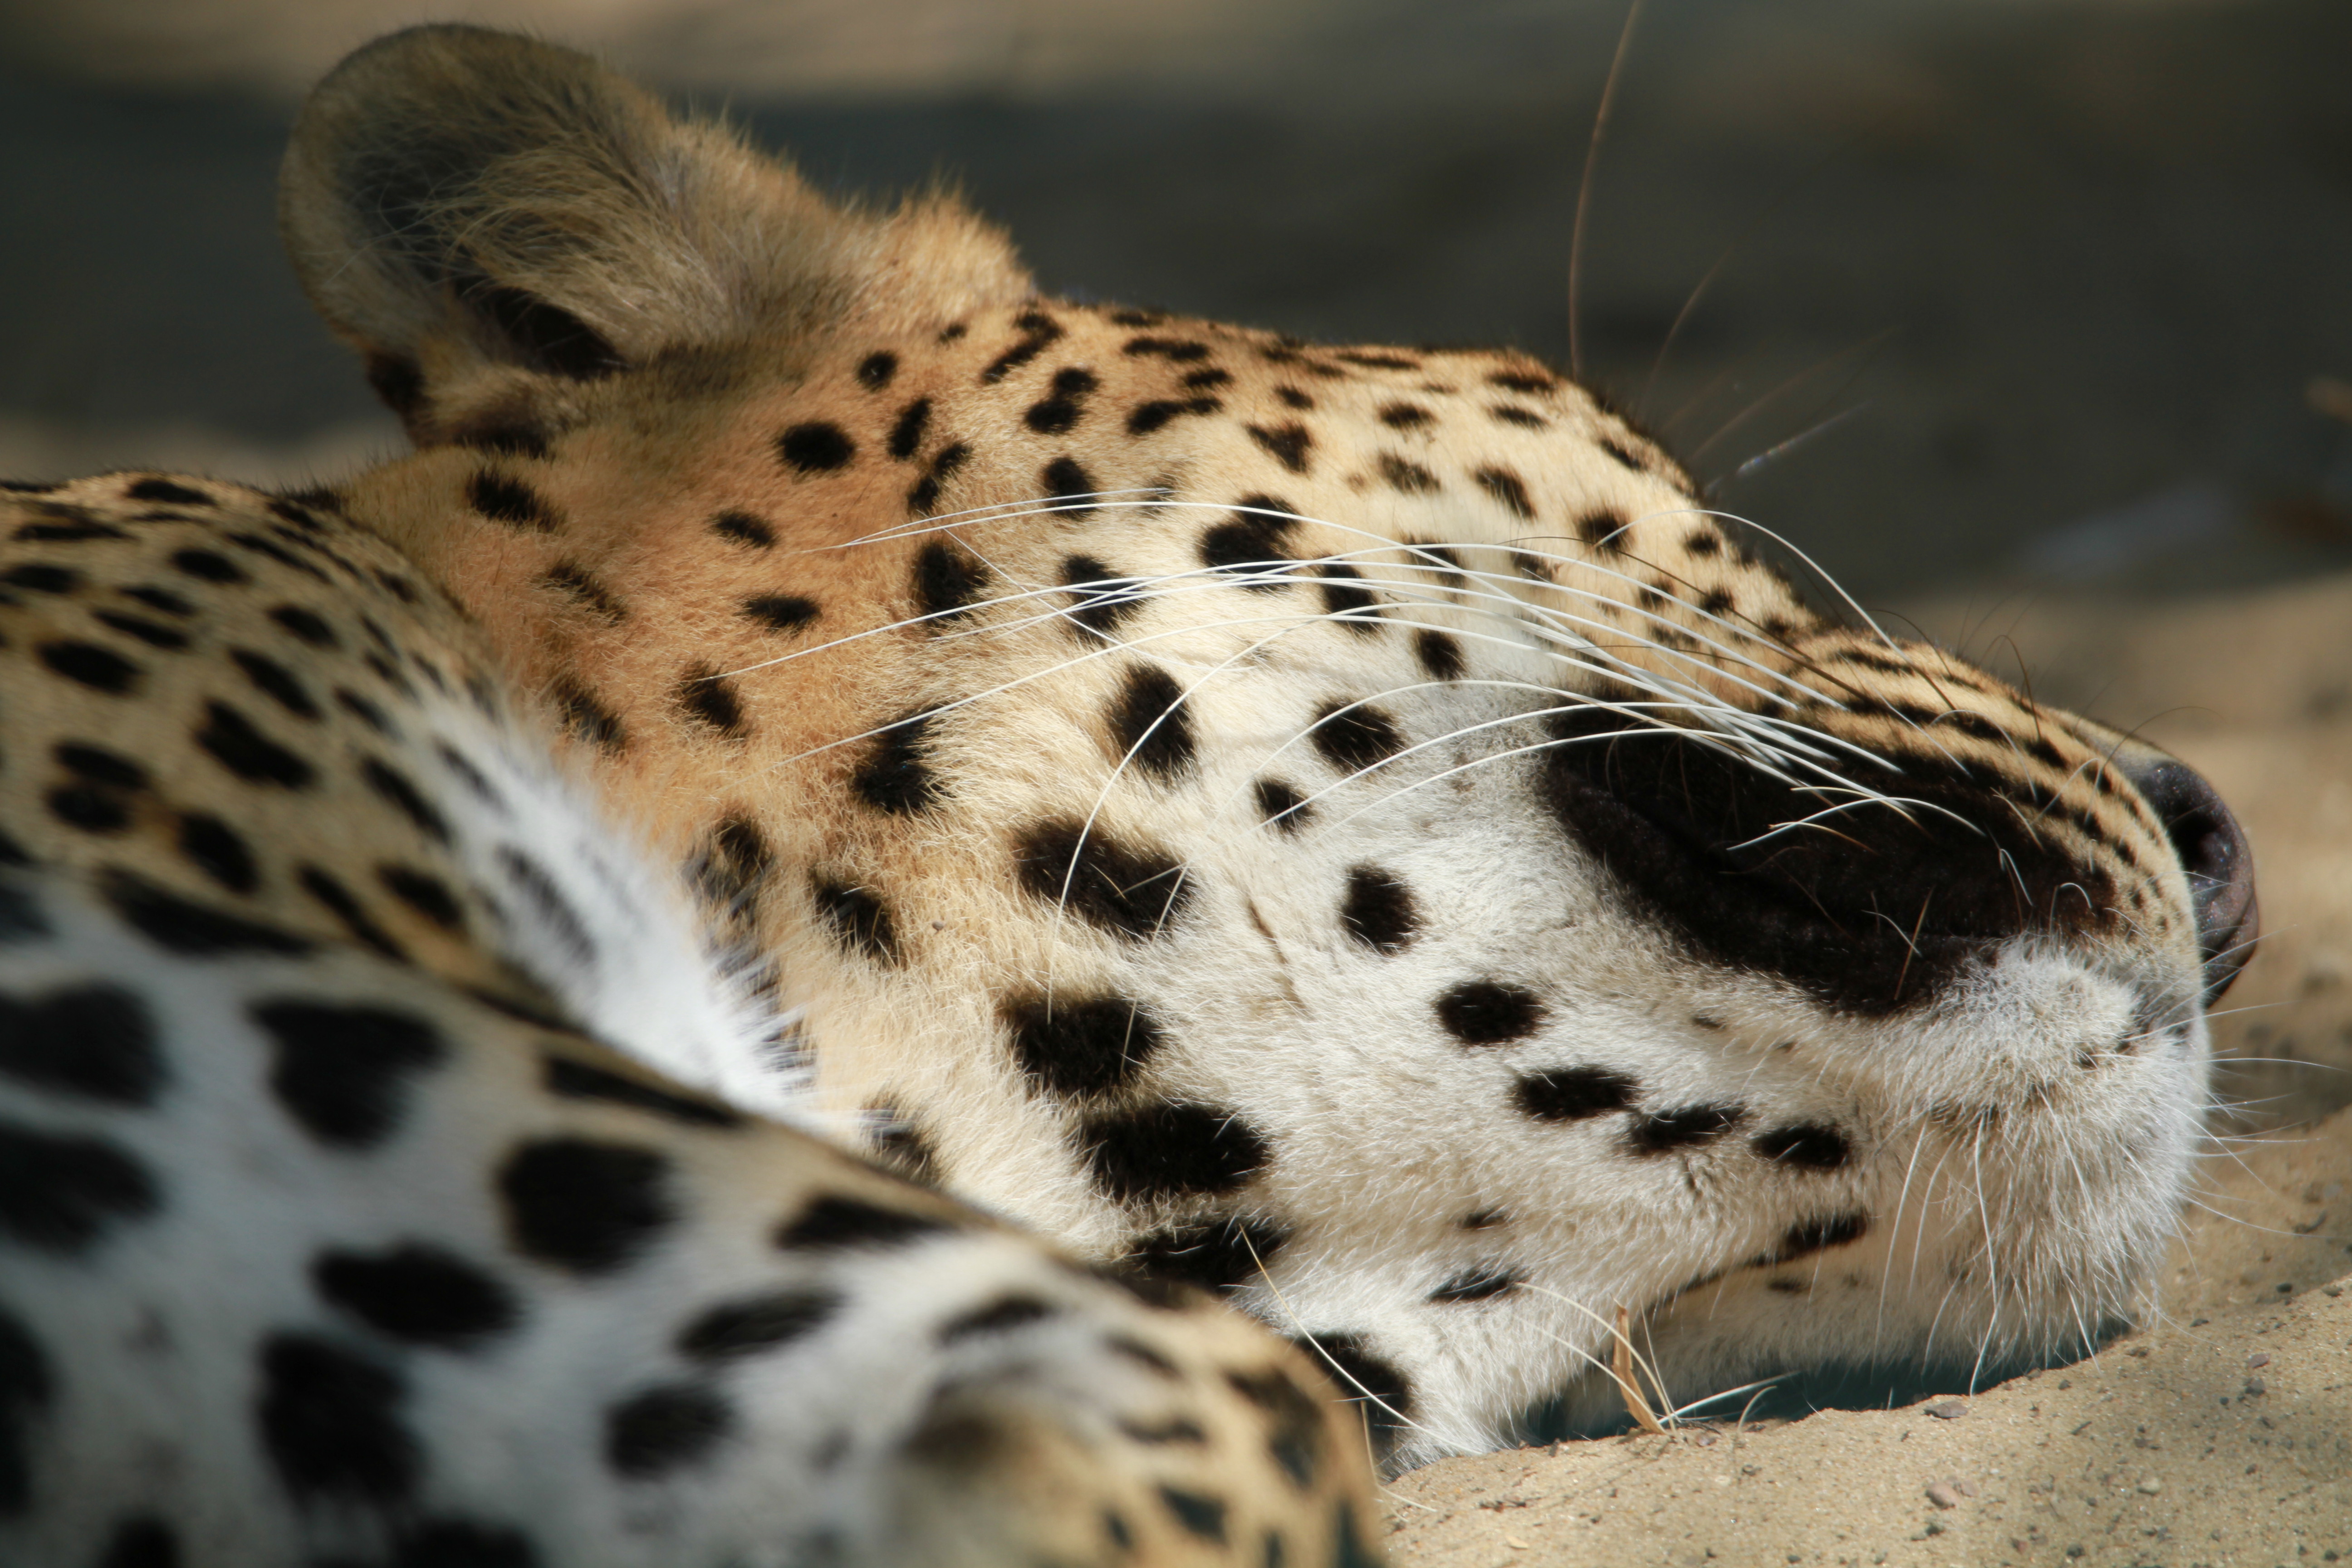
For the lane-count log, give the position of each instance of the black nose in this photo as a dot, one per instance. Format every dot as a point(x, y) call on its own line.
point(2214, 853)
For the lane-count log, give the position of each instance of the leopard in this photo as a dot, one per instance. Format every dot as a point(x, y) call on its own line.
point(865, 916)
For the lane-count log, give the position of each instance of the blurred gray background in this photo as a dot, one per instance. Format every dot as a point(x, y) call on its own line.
point(2043, 292)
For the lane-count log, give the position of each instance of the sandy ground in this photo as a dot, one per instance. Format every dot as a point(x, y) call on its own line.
point(2219, 1433)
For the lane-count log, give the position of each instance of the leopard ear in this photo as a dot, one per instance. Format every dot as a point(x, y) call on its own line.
point(486, 214)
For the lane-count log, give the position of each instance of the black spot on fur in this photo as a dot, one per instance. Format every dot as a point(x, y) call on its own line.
point(214, 847)
point(156, 598)
point(572, 1079)
point(1251, 540)
point(343, 1072)
point(585, 589)
point(91, 809)
point(755, 1325)
point(1807, 1146)
point(329, 891)
point(1288, 443)
point(1294, 398)
point(1282, 806)
point(240, 746)
point(1378, 910)
point(462, 1544)
point(1405, 478)
point(426, 894)
point(1294, 1417)
point(1103, 600)
point(901, 1146)
point(1038, 331)
point(1624, 455)
point(1521, 381)
point(275, 682)
point(860, 921)
point(1066, 481)
point(331, 1422)
point(1073, 1045)
point(1405, 416)
point(91, 1042)
point(39, 577)
point(582, 1203)
point(946, 580)
point(834, 1222)
point(906, 435)
point(415, 1293)
point(207, 567)
point(733, 863)
point(1159, 1152)
point(1573, 1094)
point(143, 1540)
point(874, 371)
point(1366, 1381)
point(165, 493)
point(779, 612)
point(1604, 531)
point(1812, 1235)
point(1439, 652)
point(180, 926)
point(87, 664)
point(61, 1193)
point(711, 699)
point(815, 447)
point(67, 533)
point(1061, 409)
point(925, 492)
point(26, 1387)
point(1345, 595)
point(1149, 725)
point(394, 789)
point(896, 775)
point(1508, 489)
point(587, 718)
point(743, 529)
point(152, 634)
point(547, 901)
point(1684, 1127)
point(1489, 1012)
point(1354, 737)
point(1198, 1513)
point(1180, 351)
point(1214, 1255)
point(999, 1316)
point(1146, 417)
point(1483, 1283)
point(1134, 891)
point(504, 499)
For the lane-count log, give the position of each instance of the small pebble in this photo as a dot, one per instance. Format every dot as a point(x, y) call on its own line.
point(2150, 1484)
point(2256, 1385)
point(1965, 1489)
point(1948, 1409)
point(1702, 1440)
point(2257, 1362)
point(1943, 1494)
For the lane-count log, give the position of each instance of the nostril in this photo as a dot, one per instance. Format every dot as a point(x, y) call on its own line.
point(2214, 853)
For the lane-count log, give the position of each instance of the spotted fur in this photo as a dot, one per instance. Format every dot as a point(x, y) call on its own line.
point(1344, 829)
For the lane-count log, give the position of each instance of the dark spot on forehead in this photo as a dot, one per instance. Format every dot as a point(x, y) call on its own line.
point(1103, 600)
point(504, 499)
point(62, 1193)
point(1061, 408)
point(1166, 1150)
point(1378, 910)
point(1682, 1127)
point(859, 919)
point(832, 1222)
point(415, 1293)
point(1805, 1145)
point(333, 1424)
point(584, 1204)
point(1288, 443)
point(1080, 1045)
point(1603, 529)
point(1132, 890)
point(1573, 1094)
point(344, 1072)
point(743, 529)
point(817, 446)
point(906, 435)
point(87, 1042)
point(1251, 540)
point(1065, 481)
point(1490, 1012)
point(1508, 489)
point(1439, 652)
point(1346, 598)
point(664, 1430)
point(1149, 727)
point(874, 371)
point(1281, 807)
point(1213, 1255)
point(896, 774)
point(1353, 737)
point(946, 580)
point(755, 1325)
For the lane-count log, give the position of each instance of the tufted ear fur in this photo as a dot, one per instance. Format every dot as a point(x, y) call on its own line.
point(487, 217)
